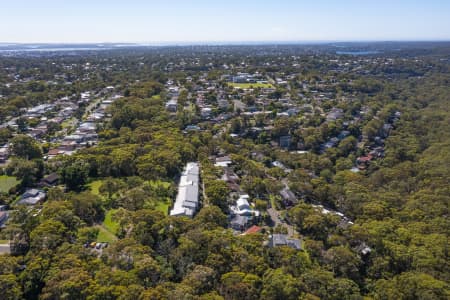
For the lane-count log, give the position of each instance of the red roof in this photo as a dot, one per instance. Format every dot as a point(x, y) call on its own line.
point(53, 152)
point(253, 229)
point(365, 158)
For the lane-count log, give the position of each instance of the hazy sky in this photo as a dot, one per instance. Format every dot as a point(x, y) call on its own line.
point(226, 20)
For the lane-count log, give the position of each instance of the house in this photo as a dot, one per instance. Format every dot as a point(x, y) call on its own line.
point(87, 127)
point(334, 114)
point(32, 197)
point(239, 223)
point(187, 200)
point(222, 103)
point(77, 138)
point(49, 180)
point(54, 152)
point(223, 161)
point(285, 141)
point(288, 197)
point(205, 112)
point(277, 240)
point(172, 105)
point(252, 230)
point(363, 249)
point(192, 128)
point(3, 218)
point(243, 208)
point(363, 161)
point(4, 153)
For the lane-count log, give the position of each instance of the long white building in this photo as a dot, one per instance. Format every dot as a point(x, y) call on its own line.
point(187, 201)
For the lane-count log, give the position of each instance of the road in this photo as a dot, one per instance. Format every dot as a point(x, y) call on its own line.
point(275, 216)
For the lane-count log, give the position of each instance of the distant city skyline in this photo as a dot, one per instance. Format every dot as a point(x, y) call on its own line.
point(232, 21)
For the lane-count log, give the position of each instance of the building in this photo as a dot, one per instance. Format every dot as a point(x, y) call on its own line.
point(252, 230)
point(172, 105)
point(285, 141)
point(187, 201)
point(3, 218)
point(49, 180)
point(239, 223)
point(4, 153)
point(223, 161)
point(277, 240)
point(205, 112)
point(32, 197)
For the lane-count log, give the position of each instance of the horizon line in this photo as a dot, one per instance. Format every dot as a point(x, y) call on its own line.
point(226, 42)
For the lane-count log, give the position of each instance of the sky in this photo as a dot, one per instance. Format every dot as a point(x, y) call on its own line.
point(171, 21)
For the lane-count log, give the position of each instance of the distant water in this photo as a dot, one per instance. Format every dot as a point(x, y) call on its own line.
point(54, 49)
point(356, 52)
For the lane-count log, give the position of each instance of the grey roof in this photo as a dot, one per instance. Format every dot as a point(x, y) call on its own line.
point(32, 197)
point(284, 240)
point(187, 200)
point(239, 222)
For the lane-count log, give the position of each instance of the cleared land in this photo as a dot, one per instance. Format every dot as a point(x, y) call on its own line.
point(94, 186)
point(109, 224)
point(250, 85)
point(7, 182)
point(108, 229)
point(162, 205)
point(105, 236)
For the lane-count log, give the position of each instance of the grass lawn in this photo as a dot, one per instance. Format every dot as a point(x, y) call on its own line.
point(105, 236)
point(250, 85)
point(7, 182)
point(157, 183)
point(109, 224)
point(108, 229)
point(4, 241)
point(94, 186)
point(163, 207)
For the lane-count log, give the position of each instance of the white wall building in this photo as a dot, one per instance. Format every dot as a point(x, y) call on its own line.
point(187, 201)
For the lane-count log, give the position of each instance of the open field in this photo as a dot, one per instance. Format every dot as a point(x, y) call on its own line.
point(109, 224)
point(162, 206)
point(7, 182)
point(105, 236)
point(250, 85)
point(94, 186)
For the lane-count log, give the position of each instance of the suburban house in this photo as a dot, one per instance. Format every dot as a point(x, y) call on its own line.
point(223, 161)
point(284, 240)
point(252, 230)
point(3, 218)
point(239, 223)
point(242, 207)
point(32, 197)
point(4, 153)
point(49, 180)
point(285, 141)
point(172, 105)
point(187, 200)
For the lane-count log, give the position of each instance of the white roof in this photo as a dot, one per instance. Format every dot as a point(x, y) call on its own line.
point(187, 202)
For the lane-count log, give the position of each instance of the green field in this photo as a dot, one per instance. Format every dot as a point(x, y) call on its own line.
point(7, 182)
point(109, 224)
point(162, 206)
point(108, 229)
point(94, 186)
point(250, 85)
point(105, 236)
